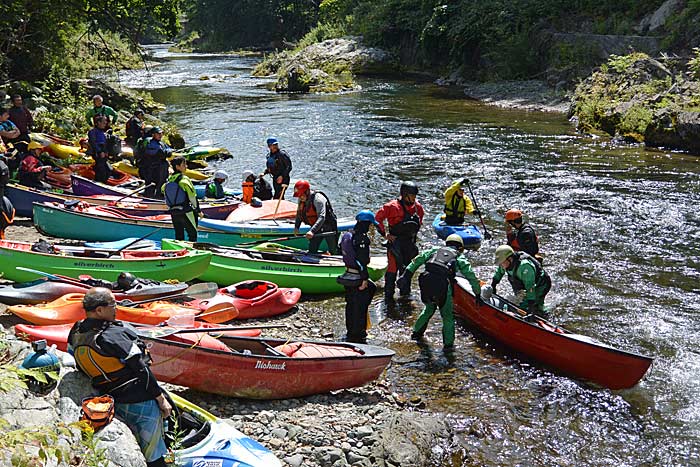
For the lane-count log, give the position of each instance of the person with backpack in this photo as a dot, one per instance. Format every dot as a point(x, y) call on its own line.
point(315, 209)
point(279, 165)
point(98, 150)
point(135, 128)
point(521, 236)
point(529, 280)
point(7, 210)
point(181, 198)
point(155, 163)
point(436, 284)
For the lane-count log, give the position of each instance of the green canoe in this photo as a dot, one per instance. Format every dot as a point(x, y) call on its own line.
point(286, 267)
point(158, 265)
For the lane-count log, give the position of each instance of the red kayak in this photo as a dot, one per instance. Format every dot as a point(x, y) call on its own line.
point(253, 299)
point(573, 354)
point(58, 334)
point(88, 171)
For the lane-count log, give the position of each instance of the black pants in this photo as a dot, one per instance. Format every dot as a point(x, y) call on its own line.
point(154, 173)
point(278, 187)
point(182, 222)
point(356, 308)
point(102, 169)
point(331, 238)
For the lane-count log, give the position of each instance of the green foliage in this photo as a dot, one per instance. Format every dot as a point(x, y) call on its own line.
point(635, 121)
point(694, 63)
point(621, 63)
point(11, 378)
point(320, 33)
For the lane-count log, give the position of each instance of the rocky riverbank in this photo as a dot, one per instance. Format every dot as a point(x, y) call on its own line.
point(369, 426)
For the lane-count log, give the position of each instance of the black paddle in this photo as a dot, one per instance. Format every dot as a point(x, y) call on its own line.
point(487, 235)
point(202, 290)
point(135, 241)
point(156, 332)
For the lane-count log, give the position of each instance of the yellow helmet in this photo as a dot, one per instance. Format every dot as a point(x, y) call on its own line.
point(34, 145)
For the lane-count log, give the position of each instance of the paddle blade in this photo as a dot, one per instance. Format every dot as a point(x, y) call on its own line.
point(219, 313)
point(201, 291)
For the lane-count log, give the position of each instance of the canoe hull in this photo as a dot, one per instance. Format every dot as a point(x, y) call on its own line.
point(572, 354)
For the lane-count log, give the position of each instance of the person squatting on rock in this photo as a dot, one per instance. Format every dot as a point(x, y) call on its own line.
point(181, 198)
point(529, 280)
point(279, 165)
point(315, 209)
point(359, 289)
point(405, 217)
point(110, 353)
point(437, 283)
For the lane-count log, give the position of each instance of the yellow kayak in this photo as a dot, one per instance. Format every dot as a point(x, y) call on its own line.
point(126, 166)
point(64, 149)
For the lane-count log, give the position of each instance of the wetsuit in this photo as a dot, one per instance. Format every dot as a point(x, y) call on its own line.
point(524, 239)
point(278, 164)
point(134, 131)
point(22, 118)
point(436, 284)
point(356, 256)
point(456, 206)
point(97, 148)
point(154, 165)
point(528, 278)
point(317, 212)
point(101, 110)
point(181, 198)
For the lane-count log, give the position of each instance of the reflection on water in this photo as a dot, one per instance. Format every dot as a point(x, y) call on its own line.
point(619, 227)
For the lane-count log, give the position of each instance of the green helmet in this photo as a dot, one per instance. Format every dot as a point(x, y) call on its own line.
point(454, 238)
point(503, 252)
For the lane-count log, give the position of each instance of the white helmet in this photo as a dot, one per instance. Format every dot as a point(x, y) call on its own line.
point(221, 174)
point(246, 174)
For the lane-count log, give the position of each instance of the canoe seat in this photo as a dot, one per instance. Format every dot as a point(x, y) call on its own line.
point(310, 350)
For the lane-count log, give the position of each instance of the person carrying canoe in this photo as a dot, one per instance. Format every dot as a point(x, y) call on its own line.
point(436, 284)
point(117, 361)
point(359, 289)
point(22, 118)
point(315, 209)
point(97, 149)
point(529, 280)
point(216, 189)
point(100, 109)
point(154, 163)
point(457, 204)
point(135, 128)
point(405, 217)
point(279, 165)
point(521, 236)
point(255, 187)
point(181, 198)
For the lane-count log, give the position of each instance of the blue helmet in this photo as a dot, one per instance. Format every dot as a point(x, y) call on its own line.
point(367, 216)
point(272, 141)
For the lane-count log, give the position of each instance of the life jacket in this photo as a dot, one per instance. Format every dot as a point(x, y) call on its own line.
point(134, 128)
point(94, 362)
point(277, 162)
point(518, 258)
point(30, 164)
point(515, 244)
point(176, 198)
point(456, 208)
point(408, 227)
point(443, 262)
point(214, 190)
point(140, 149)
point(248, 189)
point(439, 272)
point(309, 214)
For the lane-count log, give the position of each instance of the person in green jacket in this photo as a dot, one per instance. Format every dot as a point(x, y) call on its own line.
point(216, 188)
point(436, 284)
point(181, 198)
point(457, 204)
point(529, 280)
point(100, 109)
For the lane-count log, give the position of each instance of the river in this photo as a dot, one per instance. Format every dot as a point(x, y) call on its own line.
point(619, 225)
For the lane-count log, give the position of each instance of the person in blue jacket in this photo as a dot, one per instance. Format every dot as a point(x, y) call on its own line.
point(279, 165)
point(155, 163)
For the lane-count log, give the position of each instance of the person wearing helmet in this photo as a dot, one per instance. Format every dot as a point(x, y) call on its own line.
point(521, 236)
point(100, 109)
point(135, 128)
point(97, 148)
point(529, 280)
point(279, 165)
point(112, 355)
point(436, 284)
point(216, 189)
point(255, 187)
point(457, 204)
point(155, 163)
point(31, 172)
point(404, 216)
point(181, 198)
point(315, 210)
point(359, 289)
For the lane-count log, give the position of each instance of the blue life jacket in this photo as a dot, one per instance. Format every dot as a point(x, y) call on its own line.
point(176, 198)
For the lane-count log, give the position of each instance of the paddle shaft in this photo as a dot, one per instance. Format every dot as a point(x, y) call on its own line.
point(144, 333)
point(136, 241)
point(487, 235)
point(282, 239)
point(186, 293)
point(134, 192)
point(274, 216)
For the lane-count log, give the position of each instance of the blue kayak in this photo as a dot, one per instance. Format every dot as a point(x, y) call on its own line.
point(134, 243)
point(469, 233)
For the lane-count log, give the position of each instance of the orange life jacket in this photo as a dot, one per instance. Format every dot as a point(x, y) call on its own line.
point(248, 191)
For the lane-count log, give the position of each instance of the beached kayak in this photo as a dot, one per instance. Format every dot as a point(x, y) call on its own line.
point(252, 299)
point(286, 267)
point(270, 209)
point(469, 233)
point(158, 265)
point(126, 166)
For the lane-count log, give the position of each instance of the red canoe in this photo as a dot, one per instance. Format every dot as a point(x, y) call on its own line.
point(58, 334)
point(573, 354)
point(253, 299)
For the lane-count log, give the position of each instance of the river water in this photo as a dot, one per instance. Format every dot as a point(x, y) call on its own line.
point(620, 228)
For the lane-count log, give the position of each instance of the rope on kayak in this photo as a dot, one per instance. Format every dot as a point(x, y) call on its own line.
point(179, 354)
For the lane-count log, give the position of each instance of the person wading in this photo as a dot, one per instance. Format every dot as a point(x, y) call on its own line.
point(405, 217)
point(181, 198)
point(529, 280)
point(521, 236)
point(359, 289)
point(110, 352)
point(279, 165)
point(457, 204)
point(315, 209)
point(436, 285)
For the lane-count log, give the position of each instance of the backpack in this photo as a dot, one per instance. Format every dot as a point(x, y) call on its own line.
point(176, 198)
point(140, 149)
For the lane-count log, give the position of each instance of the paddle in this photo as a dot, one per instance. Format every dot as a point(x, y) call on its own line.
point(113, 203)
point(165, 332)
point(221, 313)
point(202, 290)
point(284, 188)
point(48, 275)
point(487, 235)
point(135, 241)
point(282, 239)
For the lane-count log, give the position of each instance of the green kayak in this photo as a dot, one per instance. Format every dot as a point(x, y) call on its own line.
point(285, 266)
point(68, 261)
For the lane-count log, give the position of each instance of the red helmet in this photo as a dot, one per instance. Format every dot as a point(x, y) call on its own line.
point(301, 187)
point(513, 214)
